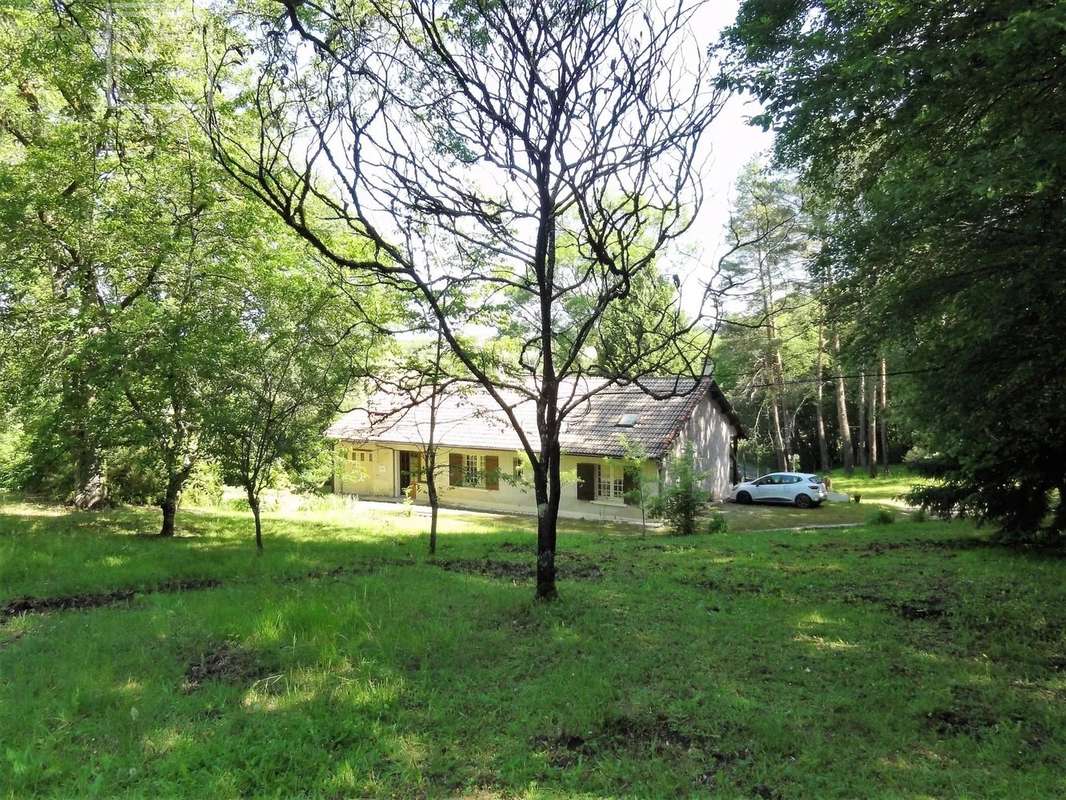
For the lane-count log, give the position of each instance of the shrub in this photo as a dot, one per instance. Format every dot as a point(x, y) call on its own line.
point(717, 523)
point(880, 516)
point(204, 487)
point(683, 498)
point(919, 515)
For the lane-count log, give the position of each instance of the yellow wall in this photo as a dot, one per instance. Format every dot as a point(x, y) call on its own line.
point(381, 480)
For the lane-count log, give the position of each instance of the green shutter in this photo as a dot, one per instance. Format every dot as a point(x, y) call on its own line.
point(492, 472)
point(586, 481)
point(455, 469)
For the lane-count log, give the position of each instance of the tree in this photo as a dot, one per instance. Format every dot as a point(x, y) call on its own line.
point(819, 403)
point(637, 488)
point(769, 215)
point(469, 143)
point(285, 378)
point(83, 117)
point(861, 406)
point(872, 436)
point(842, 412)
point(424, 376)
point(884, 415)
point(683, 498)
point(768, 354)
point(933, 130)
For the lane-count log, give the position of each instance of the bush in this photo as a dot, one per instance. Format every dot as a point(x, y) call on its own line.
point(683, 498)
point(717, 523)
point(880, 516)
point(204, 486)
point(919, 515)
point(14, 455)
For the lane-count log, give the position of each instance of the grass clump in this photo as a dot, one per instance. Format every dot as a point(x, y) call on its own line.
point(717, 523)
point(880, 516)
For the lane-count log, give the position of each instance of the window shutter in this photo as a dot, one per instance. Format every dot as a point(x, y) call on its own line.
point(629, 484)
point(455, 469)
point(586, 481)
point(492, 472)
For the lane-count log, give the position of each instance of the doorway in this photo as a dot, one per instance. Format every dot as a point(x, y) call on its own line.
point(410, 470)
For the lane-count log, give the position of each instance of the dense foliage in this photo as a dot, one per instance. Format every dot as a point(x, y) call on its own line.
point(682, 499)
point(140, 287)
point(934, 133)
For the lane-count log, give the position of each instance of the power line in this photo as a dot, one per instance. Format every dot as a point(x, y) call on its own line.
point(829, 378)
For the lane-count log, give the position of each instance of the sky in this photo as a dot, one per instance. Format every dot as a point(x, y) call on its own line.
point(733, 142)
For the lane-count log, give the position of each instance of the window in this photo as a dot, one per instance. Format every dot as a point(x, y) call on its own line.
point(474, 471)
point(626, 421)
point(610, 482)
point(354, 463)
point(349, 453)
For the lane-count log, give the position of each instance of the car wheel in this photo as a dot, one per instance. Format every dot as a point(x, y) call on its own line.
point(743, 498)
point(804, 501)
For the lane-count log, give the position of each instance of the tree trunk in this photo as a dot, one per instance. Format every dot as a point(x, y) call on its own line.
point(776, 435)
point(169, 504)
point(434, 502)
point(170, 510)
point(842, 413)
point(430, 454)
point(547, 485)
point(90, 485)
point(773, 357)
point(91, 493)
point(823, 445)
point(884, 416)
point(862, 417)
point(872, 437)
point(253, 501)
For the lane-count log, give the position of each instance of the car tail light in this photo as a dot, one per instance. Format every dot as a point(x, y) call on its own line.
point(816, 486)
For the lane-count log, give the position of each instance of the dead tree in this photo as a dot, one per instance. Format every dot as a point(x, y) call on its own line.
point(477, 143)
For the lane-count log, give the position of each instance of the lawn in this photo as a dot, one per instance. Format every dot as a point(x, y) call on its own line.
point(909, 660)
point(898, 481)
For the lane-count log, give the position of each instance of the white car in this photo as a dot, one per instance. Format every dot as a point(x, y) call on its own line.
point(796, 488)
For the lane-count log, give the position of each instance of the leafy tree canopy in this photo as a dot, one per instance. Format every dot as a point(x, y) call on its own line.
point(933, 133)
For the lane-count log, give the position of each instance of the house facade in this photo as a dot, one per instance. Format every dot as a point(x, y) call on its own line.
point(381, 450)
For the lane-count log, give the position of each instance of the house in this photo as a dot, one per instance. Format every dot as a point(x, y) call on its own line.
point(379, 450)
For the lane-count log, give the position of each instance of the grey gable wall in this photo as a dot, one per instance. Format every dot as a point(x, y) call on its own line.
point(711, 433)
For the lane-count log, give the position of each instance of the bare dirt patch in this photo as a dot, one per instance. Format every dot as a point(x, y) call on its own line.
point(640, 736)
point(930, 608)
point(225, 662)
point(572, 568)
point(116, 597)
point(43, 605)
point(967, 715)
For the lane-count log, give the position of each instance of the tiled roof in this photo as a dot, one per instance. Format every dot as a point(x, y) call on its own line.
point(473, 419)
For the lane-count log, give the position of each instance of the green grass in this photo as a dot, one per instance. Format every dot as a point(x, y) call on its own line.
point(897, 482)
point(899, 661)
point(765, 516)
